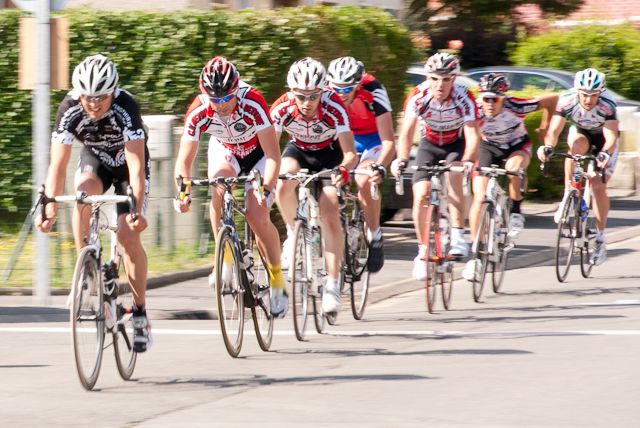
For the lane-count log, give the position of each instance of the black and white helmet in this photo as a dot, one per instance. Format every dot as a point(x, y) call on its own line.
point(307, 74)
point(443, 63)
point(345, 71)
point(95, 76)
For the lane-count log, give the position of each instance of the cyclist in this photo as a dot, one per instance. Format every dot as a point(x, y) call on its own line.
point(448, 116)
point(106, 120)
point(236, 116)
point(318, 126)
point(504, 139)
point(592, 113)
point(371, 122)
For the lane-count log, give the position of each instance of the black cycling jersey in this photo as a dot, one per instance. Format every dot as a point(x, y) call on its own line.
point(104, 137)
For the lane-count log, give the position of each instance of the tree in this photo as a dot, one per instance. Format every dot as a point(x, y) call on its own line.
point(485, 26)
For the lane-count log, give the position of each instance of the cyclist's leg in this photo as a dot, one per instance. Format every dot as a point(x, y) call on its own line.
point(601, 204)
point(92, 178)
point(578, 145)
point(286, 198)
point(519, 157)
point(220, 163)
point(457, 202)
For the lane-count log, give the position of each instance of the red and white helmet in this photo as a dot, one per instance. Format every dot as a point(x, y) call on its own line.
point(442, 63)
point(219, 78)
point(95, 76)
point(307, 74)
point(345, 71)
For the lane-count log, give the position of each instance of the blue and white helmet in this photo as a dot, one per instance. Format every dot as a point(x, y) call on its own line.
point(589, 79)
point(95, 76)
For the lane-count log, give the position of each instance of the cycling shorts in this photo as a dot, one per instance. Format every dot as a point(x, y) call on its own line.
point(366, 142)
point(430, 154)
point(596, 143)
point(494, 155)
point(118, 177)
point(220, 156)
point(317, 160)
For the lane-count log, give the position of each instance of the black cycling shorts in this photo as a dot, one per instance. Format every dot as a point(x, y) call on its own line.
point(118, 177)
point(316, 160)
point(595, 139)
point(493, 155)
point(430, 154)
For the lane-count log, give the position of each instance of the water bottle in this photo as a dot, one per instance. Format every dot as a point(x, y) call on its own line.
point(316, 245)
point(584, 210)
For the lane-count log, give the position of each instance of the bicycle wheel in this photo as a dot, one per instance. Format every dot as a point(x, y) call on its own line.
point(87, 317)
point(588, 245)
point(481, 253)
point(357, 255)
point(123, 336)
point(229, 291)
point(501, 247)
point(447, 267)
point(261, 311)
point(432, 278)
point(565, 245)
point(300, 279)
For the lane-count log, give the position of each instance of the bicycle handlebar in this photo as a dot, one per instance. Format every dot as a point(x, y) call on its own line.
point(435, 170)
point(254, 177)
point(494, 171)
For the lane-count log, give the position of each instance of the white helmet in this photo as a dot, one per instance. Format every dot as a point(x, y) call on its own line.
point(443, 63)
point(589, 80)
point(307, 74)
point(94, 76)
point(345, 71)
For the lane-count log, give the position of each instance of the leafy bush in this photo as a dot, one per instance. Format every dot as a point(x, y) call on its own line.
point(160, 55)
point(614, 50)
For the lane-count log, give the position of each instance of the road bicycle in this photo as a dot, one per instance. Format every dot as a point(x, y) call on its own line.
point(354, 272)
point(99, 305)
point(576, 227)
point(307, 270)
point(492, 244)
point(240, 270)
point(437, 237)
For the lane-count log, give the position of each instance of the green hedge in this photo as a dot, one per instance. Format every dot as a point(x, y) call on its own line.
point(614, 50)
point(159, 57)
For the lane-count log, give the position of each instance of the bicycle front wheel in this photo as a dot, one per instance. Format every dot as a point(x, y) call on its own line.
point(123, 336)
point(482, 249)
point(261, 311)
point(588, 245)
point(87, 317)
point(565, 245)
point(432, 278)
point(229, 291)
point(357, 258)
point(300, 279)
point(446, 275)
point(499, 265)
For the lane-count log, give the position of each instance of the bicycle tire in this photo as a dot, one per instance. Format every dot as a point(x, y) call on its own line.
point(432, 277)
point(567, 227)
point(357, 259)
point(87, 317)
point(446, 282)
point(300, 280)
point(261, 311)
point(588, 230)
point(481, 253)
point(501, 236)
point(123, 337)
point(229, 291)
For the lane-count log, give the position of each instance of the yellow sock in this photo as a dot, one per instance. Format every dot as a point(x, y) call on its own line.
point(275, 275)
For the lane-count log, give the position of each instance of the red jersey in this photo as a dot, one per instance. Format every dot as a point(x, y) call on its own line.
point(315, 134)
point(441, 123)
point(370, 101)
point(239, 131)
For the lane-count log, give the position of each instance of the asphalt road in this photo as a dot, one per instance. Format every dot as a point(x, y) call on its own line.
point(541, 354)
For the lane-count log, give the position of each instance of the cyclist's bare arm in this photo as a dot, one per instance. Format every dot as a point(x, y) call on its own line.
point(555, 128)
point(472, 140)
point(134, 155)
point(269, 142)
point(384, 123)
point(547, 103)
point(348, 146)
point(60, 154)
point(610, 132)
point(184, 162)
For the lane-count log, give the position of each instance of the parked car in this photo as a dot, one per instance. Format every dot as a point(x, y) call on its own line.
point(544, 79)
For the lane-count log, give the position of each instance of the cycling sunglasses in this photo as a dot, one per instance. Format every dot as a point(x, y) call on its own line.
point(96, 99)
point(435, 78)
point(224, 99)
point(304, 97)
point(345, 90)
point(492, 99)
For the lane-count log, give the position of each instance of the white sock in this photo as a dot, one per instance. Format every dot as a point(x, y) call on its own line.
point(457, 233)
point(375, 234)
point(289, 231)
point(600, 235)
point(332, 283)
point(422, 250)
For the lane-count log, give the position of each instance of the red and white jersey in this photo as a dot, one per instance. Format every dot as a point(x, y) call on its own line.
point(239, 131)
point(315, 134)
point(370, 101)
point(507, 128)
point(441, 123)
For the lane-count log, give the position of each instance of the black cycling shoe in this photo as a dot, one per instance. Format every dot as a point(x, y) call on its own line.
point(376, 255)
